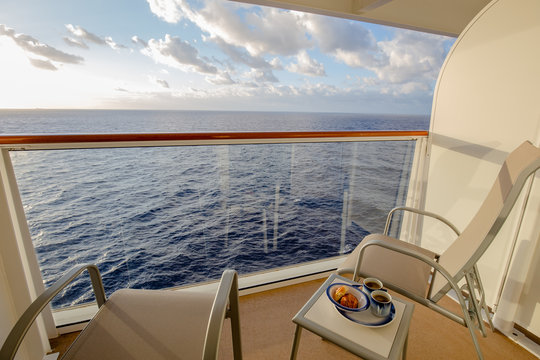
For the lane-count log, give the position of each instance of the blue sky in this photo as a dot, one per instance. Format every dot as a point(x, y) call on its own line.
point(209, 55)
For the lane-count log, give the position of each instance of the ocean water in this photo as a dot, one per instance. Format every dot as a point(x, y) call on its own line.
point(162, 217)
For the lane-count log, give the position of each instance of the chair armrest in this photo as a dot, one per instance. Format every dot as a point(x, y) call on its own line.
point(420, 212)
point(17, 333)
point(225, 305)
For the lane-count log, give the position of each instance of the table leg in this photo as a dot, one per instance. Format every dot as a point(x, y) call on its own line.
point(296, 342)
point(404, 351)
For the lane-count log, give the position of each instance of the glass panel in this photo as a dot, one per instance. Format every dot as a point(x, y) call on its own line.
point(163, 217)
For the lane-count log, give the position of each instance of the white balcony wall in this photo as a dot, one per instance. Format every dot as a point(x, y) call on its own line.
point(486, 103)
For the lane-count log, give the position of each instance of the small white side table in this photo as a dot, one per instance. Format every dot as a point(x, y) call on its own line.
point(320, 316)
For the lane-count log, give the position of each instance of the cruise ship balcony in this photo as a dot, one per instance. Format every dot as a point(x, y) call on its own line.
point(485, 103)
point(271, 296)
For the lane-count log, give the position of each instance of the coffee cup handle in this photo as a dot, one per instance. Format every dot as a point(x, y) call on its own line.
point(363, 289)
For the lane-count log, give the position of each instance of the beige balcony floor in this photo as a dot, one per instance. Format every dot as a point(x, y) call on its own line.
point(267, 332)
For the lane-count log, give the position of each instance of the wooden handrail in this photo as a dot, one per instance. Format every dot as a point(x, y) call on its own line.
point(14, 140)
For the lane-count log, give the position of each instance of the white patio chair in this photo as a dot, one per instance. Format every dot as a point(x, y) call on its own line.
point(144, 324)
point(425, 276)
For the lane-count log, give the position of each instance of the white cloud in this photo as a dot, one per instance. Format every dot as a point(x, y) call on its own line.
point(268, 31)
point(83, 34)
point(6, 31)
point(261, 76)
point(413, 62)
point(168, 10)
point(221, 79)
point(173, 51)
point(163, 83)
point(306, 65)
point(245, 37)
point(412, 55)
point(276, 63)
point(160, 82)
point(268, 96)
point(88, 36)
point(137, 40)
point(34, 46)
point(321, 90)
point(348, 41)
point(264, 31)
point(43, 64)
point(408, 63)
point(75, 43)
point(240, 55)
point(113, 45)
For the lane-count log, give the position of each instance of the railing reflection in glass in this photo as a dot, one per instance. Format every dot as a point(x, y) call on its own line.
point(162, 217)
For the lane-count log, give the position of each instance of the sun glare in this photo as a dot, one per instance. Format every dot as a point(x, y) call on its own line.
point(24, 85)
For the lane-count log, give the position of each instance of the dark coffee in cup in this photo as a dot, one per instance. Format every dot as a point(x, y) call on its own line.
point(373, 285)
point(381, 298)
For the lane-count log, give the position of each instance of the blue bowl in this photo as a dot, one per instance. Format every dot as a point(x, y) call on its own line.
point(363, 300)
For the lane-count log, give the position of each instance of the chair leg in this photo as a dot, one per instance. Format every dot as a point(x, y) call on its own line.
point(472, 300)
point(470, 325)
point(483, 304)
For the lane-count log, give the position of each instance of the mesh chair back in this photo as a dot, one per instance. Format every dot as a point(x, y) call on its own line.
point(463, 254)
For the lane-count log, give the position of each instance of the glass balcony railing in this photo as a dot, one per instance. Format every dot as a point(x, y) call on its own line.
point(152, 215)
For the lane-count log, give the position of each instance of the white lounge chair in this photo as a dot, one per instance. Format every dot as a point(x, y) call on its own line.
point(425, 276)
point(144, 324)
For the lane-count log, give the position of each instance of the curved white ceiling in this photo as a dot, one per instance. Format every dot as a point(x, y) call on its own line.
point(446, 17)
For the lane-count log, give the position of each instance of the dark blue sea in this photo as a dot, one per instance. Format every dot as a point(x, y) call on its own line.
point(160, 217)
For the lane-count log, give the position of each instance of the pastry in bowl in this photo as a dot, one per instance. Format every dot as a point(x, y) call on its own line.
point(349, 300)
point(347, 297)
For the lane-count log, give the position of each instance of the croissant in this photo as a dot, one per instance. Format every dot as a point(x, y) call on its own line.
point(349, 300)
point(340, 291)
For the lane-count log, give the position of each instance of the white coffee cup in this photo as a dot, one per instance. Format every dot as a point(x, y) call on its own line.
point(372, 284)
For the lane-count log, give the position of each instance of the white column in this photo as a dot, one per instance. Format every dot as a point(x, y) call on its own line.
point(20, 277)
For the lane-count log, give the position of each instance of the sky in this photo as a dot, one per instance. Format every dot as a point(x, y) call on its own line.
point(209, 55)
